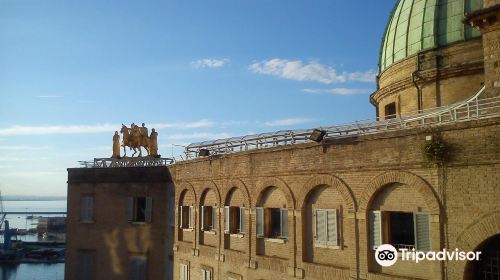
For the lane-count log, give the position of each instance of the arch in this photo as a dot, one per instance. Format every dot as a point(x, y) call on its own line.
point(206, 186)
point(184, 186)
point(328, 180)
point(403, 177)
point(476, 233)
point(236, 184)
point(263, 183)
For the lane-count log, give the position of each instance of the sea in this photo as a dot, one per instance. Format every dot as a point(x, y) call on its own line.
point(31, 271)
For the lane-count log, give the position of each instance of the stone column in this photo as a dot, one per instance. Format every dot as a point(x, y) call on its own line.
point(487, 21)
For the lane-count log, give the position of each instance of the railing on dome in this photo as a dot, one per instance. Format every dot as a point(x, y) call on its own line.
point(470, 109)
point(127, 162)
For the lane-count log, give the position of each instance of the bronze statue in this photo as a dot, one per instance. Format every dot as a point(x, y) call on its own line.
point(116, 145)
point(136, 137)
point(153, 143)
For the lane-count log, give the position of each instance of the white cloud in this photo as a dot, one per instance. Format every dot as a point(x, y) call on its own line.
point(186, 125)
point(200, 135)
point(312, 71)
point(49, 96)
point(24, 148)
point(209, 63)
point(288, 122)
point(96, 128)
point(338, 91)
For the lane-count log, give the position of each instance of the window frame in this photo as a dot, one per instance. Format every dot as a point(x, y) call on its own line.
point(186, 217)
point(132, 209)
point(87, 209)
point(422, 231)
point(266, 221)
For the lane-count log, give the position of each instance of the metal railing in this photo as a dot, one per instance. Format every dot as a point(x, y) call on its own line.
point(126, 162)
point(474, 107)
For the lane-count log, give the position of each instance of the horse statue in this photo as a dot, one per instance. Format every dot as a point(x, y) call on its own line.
point(135, 137)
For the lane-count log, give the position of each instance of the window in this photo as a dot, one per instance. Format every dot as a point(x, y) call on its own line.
point(87, 209)
point(400, 229)
point(186, 217)
point(184, 272)
point(139, 209)
point(272, 222)
point(85, 269)
point(326, 232)
point(138, 268)
point(390, 111)
point(206, 274)
point(234, 219)
point(208, 218)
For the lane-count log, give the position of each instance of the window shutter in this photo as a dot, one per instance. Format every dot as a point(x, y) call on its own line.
point(259, 221)
point(137, 268)
point(321, 226)
point(90, 208)
point(181, 217)
point(85, 268)
point(184, 275)
point(149, 209)
point(375, 229)
point(422, 231)
point(332, 227)
point(190, 219)
point(130, 208)
point(215, 213)
point(242, 219)
point(226, 219)
point(284, 223)
point(203, 273)
point(202, 217)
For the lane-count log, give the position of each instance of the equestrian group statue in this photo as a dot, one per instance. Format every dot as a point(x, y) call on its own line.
point(135, 137)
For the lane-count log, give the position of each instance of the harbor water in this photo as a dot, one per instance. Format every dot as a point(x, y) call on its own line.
point(28, 271)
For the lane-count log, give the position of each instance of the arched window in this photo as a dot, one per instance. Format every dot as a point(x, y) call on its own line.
point(271, 215)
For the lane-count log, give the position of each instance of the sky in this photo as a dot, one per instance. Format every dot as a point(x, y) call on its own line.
point(71, 72)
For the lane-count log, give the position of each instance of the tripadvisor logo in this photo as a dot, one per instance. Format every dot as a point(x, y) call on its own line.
point(387, 255)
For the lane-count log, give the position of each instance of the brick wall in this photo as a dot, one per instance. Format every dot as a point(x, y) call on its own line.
point(385, 171)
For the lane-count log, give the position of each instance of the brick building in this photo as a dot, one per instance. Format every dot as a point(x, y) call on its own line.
point(317, 210)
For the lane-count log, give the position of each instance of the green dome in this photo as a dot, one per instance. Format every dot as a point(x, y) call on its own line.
point(417, 25)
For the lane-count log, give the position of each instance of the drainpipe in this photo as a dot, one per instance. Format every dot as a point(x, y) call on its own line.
point(414, 76)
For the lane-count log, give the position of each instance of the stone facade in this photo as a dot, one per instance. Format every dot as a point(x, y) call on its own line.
point(386, 171)
point(106, 242)
point(432, 78)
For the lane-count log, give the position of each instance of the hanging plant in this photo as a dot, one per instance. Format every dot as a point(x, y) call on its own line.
point(436, 150)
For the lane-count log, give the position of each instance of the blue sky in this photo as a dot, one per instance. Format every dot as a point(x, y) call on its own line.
point(72, 71)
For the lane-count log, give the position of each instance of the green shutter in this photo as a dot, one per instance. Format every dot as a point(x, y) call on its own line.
point(422, 231)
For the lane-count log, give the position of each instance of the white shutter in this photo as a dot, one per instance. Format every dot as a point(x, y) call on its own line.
point(422, 231)
point(215, 213)
point(203, 274)
point(321, 226)
point(202, 217)
point(184, 272)
point(284, 222)
point(259, 221)
point(226, 219)
point(242, 219)
point(149, 209)
point(332, 227)
point(130, 208)
point(375, 228)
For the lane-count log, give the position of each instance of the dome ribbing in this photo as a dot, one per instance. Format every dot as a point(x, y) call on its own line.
point(417, 25)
